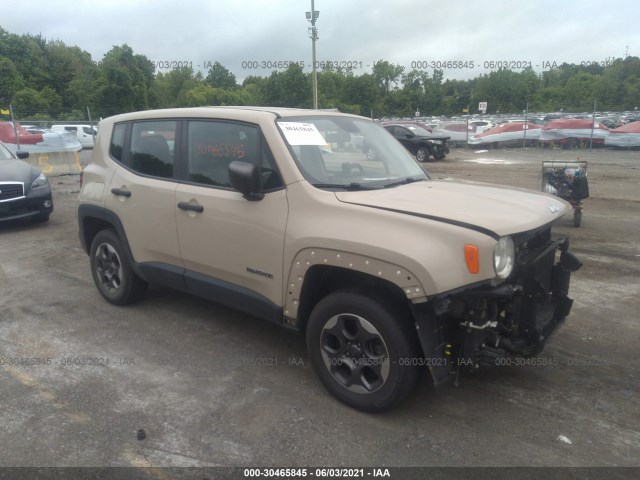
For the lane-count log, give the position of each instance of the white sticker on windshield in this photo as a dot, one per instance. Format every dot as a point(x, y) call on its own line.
point(298, 133)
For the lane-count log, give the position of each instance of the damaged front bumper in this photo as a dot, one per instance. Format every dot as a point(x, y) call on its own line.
point(482, 325)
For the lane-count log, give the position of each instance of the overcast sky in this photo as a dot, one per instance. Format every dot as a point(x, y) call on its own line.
point(242, 34)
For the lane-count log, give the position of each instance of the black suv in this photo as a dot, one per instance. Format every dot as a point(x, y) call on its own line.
point(419, 142)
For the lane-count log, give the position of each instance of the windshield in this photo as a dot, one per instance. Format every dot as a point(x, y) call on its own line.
point(417, 130)
point(348, 153)
point(5, 154)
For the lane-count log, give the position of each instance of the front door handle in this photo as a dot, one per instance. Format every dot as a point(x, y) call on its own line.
point(191, 207)
point(120, 192)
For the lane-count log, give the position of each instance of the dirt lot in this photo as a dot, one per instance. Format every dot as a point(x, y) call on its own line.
point(80, 378)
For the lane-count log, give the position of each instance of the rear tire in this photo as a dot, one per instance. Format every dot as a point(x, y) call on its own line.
point(422, 154)
point(363, 350)
point(111, 271)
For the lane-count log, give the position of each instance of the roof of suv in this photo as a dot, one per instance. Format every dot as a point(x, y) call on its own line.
point(224, 112)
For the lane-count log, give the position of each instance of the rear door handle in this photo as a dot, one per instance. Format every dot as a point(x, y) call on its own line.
point(120, 192)
point(191, 207)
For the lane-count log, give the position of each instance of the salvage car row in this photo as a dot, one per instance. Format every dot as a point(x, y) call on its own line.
point(562, 130)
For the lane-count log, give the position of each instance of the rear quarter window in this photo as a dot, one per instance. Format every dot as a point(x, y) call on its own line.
point(117, 142)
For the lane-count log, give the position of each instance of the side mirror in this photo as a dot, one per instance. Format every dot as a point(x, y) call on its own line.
point(21, 154)
point(245, 177)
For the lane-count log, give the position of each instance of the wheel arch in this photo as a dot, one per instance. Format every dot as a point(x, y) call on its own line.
point(92, 219)
point(318, 272)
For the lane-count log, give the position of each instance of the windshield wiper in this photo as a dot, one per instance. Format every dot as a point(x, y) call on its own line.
point(404, 181)
point(351, 187)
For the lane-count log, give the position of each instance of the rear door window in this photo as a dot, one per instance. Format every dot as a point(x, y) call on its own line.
point(152, 148)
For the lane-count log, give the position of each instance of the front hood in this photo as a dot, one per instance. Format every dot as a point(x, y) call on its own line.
point(15, 171)
point(491, 209)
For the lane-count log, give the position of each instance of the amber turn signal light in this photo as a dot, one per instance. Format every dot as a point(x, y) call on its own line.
point(472, 257)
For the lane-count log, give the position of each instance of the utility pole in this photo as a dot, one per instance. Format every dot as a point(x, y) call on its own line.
point(312, 16)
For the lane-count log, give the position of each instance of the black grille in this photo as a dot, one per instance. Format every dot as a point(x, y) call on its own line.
point(9, 191)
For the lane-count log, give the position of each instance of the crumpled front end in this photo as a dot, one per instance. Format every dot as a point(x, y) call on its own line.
point(480, 326)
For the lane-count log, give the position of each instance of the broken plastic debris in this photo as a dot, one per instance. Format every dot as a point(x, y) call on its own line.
point(564, 439)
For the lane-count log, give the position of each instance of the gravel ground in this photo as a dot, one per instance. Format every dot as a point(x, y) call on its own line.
point(212, 387)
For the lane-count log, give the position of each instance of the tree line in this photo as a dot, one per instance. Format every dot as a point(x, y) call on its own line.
point(48, 80)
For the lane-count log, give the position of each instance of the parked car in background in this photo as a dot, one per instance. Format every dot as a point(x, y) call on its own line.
point(34, 129)
point(86, 133)
point(418, 140)
point(482, 125)
point(570, 132)
point(16, 137)
point(24, 190)
point(459, 133)
point(510, 134)
point(626, 136)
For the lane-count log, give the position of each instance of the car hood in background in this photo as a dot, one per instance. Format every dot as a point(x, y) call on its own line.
point(14, 171)
point(491, 209)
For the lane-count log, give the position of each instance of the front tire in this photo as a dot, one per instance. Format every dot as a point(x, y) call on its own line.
point(440, 154)
point(363, 349)
point(111, 271)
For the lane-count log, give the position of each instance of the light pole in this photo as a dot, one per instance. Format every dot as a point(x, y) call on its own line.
point(312, 16)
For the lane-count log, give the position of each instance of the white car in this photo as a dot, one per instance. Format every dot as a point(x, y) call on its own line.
point(86, 133)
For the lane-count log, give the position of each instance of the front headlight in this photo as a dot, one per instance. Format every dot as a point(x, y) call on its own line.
point(41, 181)
point(437, 142)
point(503, 257)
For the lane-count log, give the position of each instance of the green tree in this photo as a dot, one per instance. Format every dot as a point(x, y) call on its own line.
point(330, 86)
point(169, 89)
point(253, 86)
point(72, 74)
point(27, 53)
point(125, 81)
point(289, 88)
point(364, 91)
point(398, 103)
point(579, 91)
point(28, 102)
point(204, 94)
point(219, 76)
point(386, 73)
point(11, 81)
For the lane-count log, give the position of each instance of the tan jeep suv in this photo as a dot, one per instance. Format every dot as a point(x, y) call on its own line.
point(279, 213)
